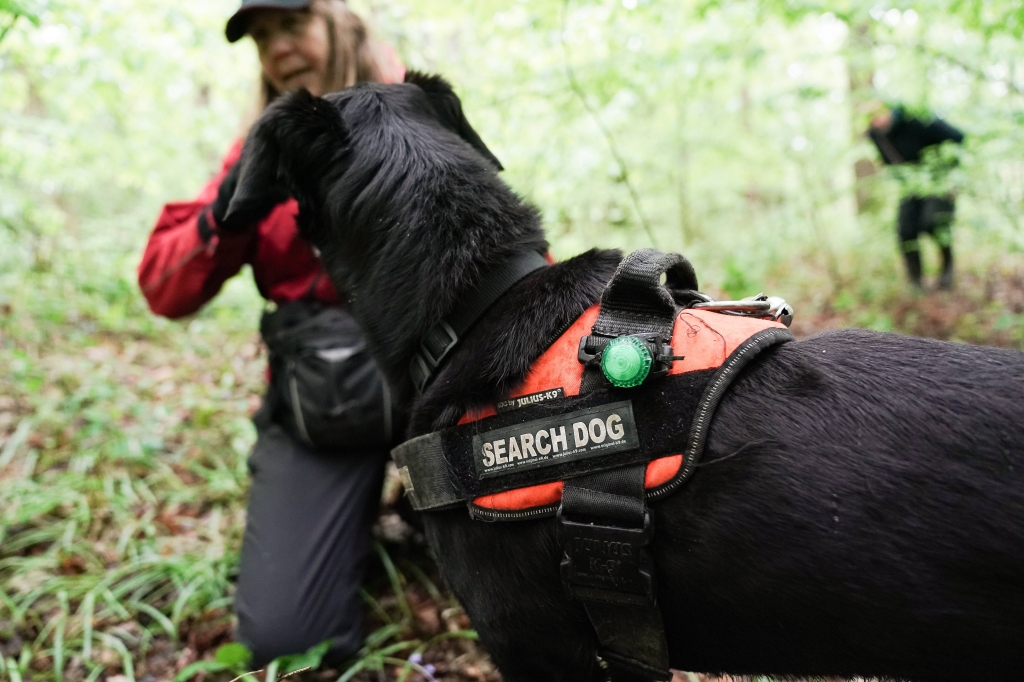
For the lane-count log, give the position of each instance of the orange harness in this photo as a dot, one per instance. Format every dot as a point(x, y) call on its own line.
point(514, 460)
point(612, 415)
point(704, 339)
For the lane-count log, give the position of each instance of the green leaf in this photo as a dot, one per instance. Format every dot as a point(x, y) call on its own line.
point(310, 659)
point(233, 655)
point(29, 10)
point(199, 666)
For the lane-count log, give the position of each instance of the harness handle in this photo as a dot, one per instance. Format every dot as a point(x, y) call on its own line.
point(636, 302)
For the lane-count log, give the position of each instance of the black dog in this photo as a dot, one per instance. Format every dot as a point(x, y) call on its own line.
point(860, 510)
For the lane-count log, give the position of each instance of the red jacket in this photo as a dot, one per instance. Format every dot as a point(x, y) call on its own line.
point(180, 272)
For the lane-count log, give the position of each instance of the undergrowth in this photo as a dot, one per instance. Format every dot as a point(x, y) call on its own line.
point(123, 446)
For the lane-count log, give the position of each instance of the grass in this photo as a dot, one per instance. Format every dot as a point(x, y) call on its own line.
point(123, 446)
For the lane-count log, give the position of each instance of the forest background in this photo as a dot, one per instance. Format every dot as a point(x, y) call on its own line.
point(729, 131)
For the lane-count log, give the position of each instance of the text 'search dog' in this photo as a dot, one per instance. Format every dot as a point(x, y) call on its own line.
point(620, 476)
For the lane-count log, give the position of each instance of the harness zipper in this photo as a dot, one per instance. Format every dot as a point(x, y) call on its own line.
point(482, 514)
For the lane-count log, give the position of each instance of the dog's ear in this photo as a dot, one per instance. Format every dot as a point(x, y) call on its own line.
point(289, 147)
point(448, 110)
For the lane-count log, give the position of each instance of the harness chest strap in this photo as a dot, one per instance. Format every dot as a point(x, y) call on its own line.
point(452, 467)
point(604, 523)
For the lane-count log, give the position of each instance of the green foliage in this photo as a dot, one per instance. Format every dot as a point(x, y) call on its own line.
point(730, 129)
point(30, 9)
point(736, 283)
point(231, 657)
point(303, 661)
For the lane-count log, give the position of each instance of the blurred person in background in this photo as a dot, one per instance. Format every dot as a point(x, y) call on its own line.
point(324, 427)
point(913, 145)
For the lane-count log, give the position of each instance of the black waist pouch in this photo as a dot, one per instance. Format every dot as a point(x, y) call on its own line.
point(325, 388)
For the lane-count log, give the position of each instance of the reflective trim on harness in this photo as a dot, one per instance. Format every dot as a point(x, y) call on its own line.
point(704, 339)
point(439, 469)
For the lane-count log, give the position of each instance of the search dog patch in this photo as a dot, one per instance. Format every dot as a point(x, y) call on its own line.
point(558, 439)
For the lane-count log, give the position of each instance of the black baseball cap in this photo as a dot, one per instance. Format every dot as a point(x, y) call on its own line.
point(238, 24)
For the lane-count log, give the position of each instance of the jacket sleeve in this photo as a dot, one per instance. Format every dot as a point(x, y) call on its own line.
point(939, 131)
point(186, 262)
point(878, 138)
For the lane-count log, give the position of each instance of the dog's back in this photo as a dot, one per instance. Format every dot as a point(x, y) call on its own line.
point(859, 510)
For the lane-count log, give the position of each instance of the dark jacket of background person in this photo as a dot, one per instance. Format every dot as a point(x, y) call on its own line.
point(909, 136)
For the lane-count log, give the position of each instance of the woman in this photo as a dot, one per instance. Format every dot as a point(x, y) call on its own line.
point(312, 502)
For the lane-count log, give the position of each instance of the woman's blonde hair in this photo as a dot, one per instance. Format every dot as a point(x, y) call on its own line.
point(354, 54)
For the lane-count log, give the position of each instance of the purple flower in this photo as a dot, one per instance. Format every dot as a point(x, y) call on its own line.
point(428, 669)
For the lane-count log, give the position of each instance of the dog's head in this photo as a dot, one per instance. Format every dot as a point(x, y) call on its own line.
point(396, 189)
point(364, 138)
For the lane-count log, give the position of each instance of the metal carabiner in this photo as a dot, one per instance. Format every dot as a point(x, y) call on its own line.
point(760, 306)
point(780, 310)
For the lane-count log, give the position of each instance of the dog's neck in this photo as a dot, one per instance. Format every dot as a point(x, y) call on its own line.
point(400, 285)
point(411, 219)
point(498, 352)
point(406, 264)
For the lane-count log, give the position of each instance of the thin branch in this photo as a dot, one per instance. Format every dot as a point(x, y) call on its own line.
point(8, 27)
point(251, 672)
point(978, 73)
point(608, 137)
point(280, 677)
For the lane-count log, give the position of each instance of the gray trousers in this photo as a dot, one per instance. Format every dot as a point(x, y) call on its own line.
point(307, 538)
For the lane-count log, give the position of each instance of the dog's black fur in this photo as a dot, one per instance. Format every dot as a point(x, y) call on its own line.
point(860, 506)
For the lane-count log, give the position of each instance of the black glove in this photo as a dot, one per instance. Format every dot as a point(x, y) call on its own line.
point(244, 217)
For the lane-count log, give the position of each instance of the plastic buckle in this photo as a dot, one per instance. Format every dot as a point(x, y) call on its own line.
point(607, 563)
point(450, 343)
point(423, 364)
point(596, 343)
point(419, 372)
point(662, 354)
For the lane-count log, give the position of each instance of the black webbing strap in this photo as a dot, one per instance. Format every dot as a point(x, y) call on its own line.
point(604, 522)
point(635, 302)
point(440, 339)
point(427, 474)
point(606, 527)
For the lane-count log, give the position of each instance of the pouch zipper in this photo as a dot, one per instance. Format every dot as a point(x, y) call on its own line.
point(300, 422)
